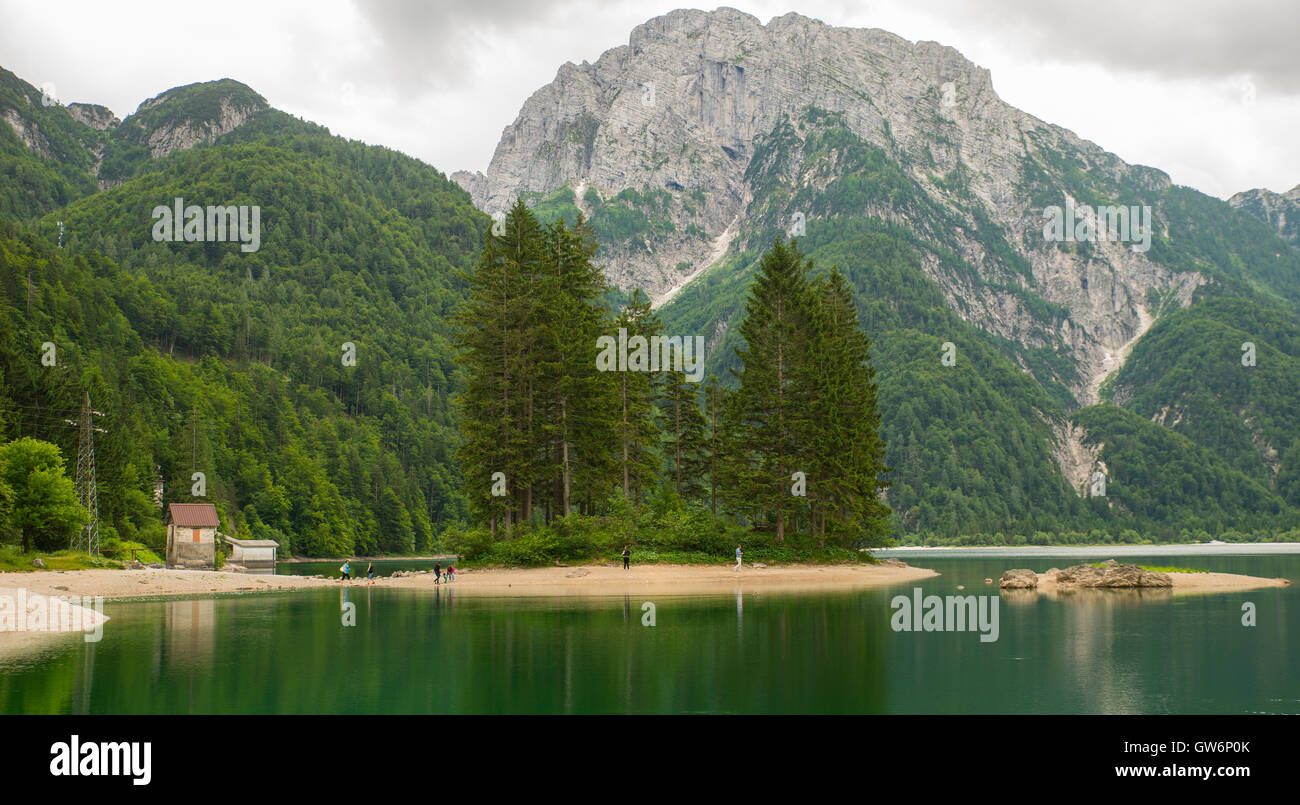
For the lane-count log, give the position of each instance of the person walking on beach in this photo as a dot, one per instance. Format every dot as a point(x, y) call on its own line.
point(370, 572)
point(437, 572)
point(347, 571)
point(738, 556)
point(627, 557)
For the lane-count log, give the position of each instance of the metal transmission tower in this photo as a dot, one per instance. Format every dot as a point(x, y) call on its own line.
point(87, 539)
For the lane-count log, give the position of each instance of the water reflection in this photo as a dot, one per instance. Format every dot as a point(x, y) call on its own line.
point(420, 651)
point(191, 630)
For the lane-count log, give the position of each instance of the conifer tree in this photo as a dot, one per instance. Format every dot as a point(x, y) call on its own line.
point(498, 333)
point(685, 447)
point(579, 400)
point(766, 417)
point(841, 441)
point(637, 389)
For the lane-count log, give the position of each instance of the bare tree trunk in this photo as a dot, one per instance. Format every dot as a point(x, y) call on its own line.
point(627, 490)
point(564, 447)
point(677, 442)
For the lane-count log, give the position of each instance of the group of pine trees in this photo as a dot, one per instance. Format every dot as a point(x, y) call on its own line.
point(792, 446)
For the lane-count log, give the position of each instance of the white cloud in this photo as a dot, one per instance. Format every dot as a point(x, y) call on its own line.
point(1157, 83)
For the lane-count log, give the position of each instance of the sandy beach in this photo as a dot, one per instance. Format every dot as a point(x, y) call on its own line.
point(545, 581)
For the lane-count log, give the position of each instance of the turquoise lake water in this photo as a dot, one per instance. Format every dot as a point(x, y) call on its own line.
point(433, 651)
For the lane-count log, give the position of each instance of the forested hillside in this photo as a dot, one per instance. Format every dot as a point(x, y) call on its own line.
point(310, 380)
point(977, 446)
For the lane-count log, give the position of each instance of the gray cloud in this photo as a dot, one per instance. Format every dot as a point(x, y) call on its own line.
point(1177, 39)
point(432, 45)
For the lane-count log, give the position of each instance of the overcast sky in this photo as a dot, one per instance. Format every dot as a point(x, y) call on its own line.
point(1208, 92)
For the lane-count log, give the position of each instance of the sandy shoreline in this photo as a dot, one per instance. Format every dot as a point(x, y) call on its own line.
point(545, 581)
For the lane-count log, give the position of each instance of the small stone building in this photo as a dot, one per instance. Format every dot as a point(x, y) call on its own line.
point(192, 535)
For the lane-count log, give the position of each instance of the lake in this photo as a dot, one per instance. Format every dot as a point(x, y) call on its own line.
point(438, 652)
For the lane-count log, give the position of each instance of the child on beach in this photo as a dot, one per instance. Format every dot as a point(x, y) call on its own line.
point(451, 573)
point(437, 572)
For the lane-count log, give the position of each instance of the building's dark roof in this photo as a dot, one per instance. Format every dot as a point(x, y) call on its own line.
point(193, 515)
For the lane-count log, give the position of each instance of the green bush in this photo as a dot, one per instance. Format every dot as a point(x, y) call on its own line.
point(529, 549)
point(471, 545)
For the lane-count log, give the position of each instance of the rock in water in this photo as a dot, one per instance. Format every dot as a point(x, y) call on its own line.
point(1019, 579)
point(1114, 575)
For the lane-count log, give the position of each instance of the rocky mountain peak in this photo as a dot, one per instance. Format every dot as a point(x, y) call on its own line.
point(186, 116)
point(1281, 211)
point(656, 140)
point(97, 117)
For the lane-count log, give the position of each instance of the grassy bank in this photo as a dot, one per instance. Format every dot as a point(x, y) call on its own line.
point(13, 560)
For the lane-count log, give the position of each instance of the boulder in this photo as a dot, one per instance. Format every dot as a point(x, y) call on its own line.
point(757, 564)
point(1019, 579)
point(1110, 562)
point(38, 562)
point(577, 574)
point(1111, 575)
point(1151, 579)
point(893, 563)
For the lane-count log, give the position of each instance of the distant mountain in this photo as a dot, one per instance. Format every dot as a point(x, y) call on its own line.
point(1279, 210)
point(81, 147)
point(709, 134)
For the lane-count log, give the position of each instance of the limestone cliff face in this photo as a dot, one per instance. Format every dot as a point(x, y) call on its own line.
point(81, 135)
point(184, 117)
point(28, 132)
point(97, 117)
point(678, 110)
